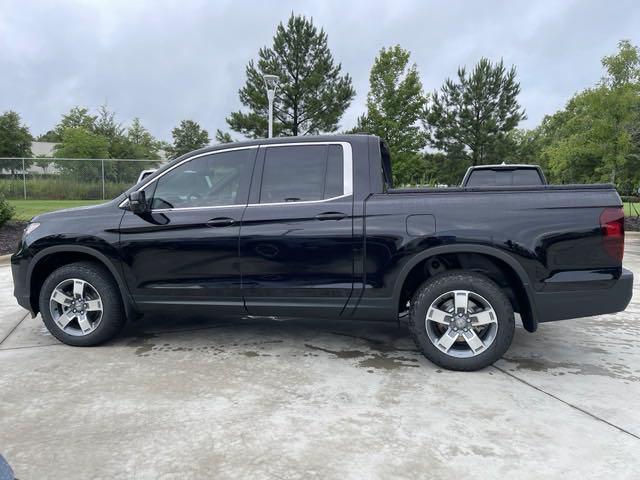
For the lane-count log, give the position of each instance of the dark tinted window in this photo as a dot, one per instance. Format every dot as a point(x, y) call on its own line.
point(526, 176)
point(213, 180)
point(500, 177)
point(302, 173)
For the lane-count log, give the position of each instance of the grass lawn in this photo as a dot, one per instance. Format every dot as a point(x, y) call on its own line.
point(632, 209)
point(25, 209)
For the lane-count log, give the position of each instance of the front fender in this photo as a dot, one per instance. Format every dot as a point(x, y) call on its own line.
point(108, 258)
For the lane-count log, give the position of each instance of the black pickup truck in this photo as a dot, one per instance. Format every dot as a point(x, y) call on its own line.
point(311, 227)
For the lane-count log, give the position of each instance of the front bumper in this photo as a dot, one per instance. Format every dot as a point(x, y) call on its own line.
point(21, 290)
point(552, 306)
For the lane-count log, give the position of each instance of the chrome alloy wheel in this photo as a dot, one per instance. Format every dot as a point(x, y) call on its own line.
point(461, 323)
point(76, 307)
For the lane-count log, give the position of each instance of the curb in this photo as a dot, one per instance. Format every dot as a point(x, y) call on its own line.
point(5, 260)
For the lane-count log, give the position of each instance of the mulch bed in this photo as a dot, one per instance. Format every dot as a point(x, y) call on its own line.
point(10, 235)
point(632, 224)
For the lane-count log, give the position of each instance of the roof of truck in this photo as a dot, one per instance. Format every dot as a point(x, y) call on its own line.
point(506, 166)
point(279, 140)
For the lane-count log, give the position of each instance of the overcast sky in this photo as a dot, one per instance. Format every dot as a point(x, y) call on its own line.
point(164, 61)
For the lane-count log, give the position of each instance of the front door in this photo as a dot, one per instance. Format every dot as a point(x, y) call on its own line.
point(184, 252)
point(296, 238)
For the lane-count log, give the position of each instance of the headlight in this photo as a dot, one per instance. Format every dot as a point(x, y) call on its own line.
point(30, 228)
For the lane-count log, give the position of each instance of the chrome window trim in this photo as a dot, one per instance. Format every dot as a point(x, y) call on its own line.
point(300, 202)
point(212, 207)
point(347, 164)
point(188, 159)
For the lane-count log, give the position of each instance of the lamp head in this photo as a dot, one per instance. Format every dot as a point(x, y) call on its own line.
point(271, 81)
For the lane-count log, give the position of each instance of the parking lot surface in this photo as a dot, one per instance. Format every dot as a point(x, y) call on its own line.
point(205, 398)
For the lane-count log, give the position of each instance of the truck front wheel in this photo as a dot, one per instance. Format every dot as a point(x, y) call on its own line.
point(461, 320)
point(81, 305)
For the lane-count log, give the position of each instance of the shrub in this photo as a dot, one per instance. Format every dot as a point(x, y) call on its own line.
point(6, 210)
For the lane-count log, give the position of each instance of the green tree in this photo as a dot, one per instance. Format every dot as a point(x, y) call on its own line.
point(522, 146)
point(133, 143)
point(223, 137)
point(593, 138)
point(395, 104)
point(144, 144)
point(83, 135)
point(106, 125)
point(15, 141)
point(445, 168)
point(78, 117)
point(623, 68)
point(474, 115)
point(188, 136)
point(78, 142)
point(312, 94)
point(48, 136)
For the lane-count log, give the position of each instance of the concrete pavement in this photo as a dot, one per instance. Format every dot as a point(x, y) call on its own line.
point(260, 399)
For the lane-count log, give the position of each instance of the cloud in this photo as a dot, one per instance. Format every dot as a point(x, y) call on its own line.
point(164, 61)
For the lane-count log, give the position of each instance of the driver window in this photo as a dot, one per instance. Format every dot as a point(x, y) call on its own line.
point(214, 180)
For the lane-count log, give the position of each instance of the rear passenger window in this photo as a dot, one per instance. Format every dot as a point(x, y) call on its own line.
point(302, 173)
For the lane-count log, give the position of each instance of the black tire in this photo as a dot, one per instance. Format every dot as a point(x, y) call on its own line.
point(476, 283)
point(100, 279)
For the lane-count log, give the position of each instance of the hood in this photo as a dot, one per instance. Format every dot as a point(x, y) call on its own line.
point(76, 212)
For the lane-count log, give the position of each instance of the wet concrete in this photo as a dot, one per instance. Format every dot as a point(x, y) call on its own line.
point(208, 398)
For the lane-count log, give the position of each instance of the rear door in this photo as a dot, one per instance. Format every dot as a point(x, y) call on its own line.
point(296, 238)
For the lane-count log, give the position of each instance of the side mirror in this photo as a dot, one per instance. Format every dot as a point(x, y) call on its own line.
point(138, 202)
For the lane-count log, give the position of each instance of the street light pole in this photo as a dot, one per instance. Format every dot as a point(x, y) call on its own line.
point(271, 83)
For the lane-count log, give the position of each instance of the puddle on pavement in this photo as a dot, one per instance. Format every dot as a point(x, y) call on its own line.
point(383, 362)
point(617, 371)
point(344, 354)
point(379, 361)
point(142, 344)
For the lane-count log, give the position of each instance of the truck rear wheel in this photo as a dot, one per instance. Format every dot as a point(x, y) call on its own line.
point(80, 304)
point(461, 320)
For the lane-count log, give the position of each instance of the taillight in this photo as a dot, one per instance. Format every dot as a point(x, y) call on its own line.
point(612, 224)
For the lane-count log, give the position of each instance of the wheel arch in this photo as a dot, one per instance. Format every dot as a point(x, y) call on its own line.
point(522, 289)
point(50, 258)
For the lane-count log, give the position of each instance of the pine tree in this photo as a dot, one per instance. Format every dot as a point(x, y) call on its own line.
point(223, 137)
point(312, 94)
point(474, 115)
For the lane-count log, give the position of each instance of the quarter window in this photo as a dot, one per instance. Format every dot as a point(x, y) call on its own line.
point(218, 179)
point(302, 173)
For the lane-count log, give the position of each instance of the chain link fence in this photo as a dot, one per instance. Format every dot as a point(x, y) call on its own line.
point(69, 178)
